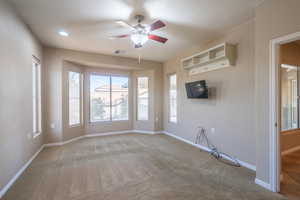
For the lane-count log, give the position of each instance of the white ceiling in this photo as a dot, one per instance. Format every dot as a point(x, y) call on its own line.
point(91, 22)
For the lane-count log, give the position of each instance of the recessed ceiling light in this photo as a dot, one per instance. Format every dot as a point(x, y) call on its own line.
point(63, 33)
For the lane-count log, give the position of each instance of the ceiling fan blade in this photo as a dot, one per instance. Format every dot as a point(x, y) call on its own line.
point(157, 38)
point(156, 25)
point(119, 36)
point(124, 24)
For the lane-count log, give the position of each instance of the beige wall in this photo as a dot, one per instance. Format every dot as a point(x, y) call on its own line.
point(17, 47)
point(273, 18)
point(54, 62)
point(230, 109)
point(238, 109)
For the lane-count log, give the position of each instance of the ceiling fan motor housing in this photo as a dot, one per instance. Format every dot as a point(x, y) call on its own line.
point(139, 18)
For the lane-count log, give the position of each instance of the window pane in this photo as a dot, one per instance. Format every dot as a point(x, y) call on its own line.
point(289, 97)
point(99, 98)
point(173, 98)
point(143, 98)
point(74, 98)
point(36, 97)
point(119, 98)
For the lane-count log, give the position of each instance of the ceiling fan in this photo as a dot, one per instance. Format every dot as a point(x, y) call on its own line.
point(141, 33)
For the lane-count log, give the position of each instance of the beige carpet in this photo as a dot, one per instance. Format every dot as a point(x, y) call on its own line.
point(133, 167)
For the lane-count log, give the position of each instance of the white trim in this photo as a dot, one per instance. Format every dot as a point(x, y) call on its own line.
point(242, 163)
point(101, 134)
point(36, 134)
point(86, 136)
point(291, 150)
point(204, 148)
point(18, 174)
point(247, 165)
point(64, 142)
point(263, 184)
point(274, 140)
point(147, 132)
point(108, 133)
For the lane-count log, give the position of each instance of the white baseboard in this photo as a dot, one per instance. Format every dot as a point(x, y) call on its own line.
point(291, 150)
point(263, 184)
point(147, 132)
point(247, 165)
point(18, 174)
point(63, 143)
point(87, 136)
point(187, 141)
point(242, 163)
point(108, 133)
point(101, 134)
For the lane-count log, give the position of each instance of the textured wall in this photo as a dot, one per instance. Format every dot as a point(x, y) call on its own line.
point(273, 18)
point(55, 60)
point(230, 109)
point(17, 47)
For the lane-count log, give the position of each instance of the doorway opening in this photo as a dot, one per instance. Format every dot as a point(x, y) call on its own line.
point(284, 111)
point(289, 75)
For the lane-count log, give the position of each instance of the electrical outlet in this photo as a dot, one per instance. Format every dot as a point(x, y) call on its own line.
point(29, 135)
point(213, 130)
point(52, 125)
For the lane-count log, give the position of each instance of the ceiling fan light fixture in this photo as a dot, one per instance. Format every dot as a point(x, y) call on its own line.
point(139, 38)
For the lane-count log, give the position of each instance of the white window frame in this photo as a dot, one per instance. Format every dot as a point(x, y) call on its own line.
point(169, 99)
point(36, 97)
point(80, 99)
point(110, 96)
point(137, 99)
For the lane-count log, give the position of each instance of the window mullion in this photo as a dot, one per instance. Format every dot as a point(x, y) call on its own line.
point(110, 92)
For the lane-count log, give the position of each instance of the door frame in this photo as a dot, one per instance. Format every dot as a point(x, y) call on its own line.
point(274, 105)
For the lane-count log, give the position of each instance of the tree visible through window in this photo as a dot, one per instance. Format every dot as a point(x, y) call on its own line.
point(108, 98)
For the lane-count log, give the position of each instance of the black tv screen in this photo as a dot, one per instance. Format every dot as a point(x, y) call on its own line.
point(197, 90)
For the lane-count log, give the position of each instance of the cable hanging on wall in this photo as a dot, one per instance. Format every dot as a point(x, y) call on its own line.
point(223, 157)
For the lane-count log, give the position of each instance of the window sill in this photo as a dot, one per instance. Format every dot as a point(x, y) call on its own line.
point(75, 125)
point(99, 122)
point(35, 135)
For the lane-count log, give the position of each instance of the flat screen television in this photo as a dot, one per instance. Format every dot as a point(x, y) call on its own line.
point(197, 90)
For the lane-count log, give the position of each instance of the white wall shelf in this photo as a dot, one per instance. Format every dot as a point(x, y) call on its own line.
point(220, 56)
